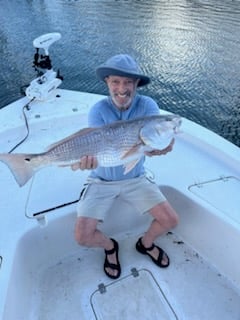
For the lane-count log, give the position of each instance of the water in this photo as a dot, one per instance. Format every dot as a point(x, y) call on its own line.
point(190, 48)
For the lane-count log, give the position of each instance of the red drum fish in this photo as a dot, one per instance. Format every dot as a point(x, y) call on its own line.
point(118, 143)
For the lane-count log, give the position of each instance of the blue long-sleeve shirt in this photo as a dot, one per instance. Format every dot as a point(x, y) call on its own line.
point(105, 112)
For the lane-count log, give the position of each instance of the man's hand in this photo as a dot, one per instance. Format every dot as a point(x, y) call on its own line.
point(161, 152)
point(85, 163)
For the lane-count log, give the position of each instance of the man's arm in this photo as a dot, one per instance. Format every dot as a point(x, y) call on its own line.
point(161, 152)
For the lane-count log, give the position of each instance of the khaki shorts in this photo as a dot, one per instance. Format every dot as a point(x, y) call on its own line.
point(98, 196)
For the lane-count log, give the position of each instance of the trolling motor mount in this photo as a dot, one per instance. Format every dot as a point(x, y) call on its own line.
point(47, 80)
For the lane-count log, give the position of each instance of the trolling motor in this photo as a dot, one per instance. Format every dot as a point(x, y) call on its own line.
point(47, 80)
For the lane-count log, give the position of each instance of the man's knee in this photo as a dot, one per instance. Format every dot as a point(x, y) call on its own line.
point(165, 215)
point(84, 229)
point(173, 220)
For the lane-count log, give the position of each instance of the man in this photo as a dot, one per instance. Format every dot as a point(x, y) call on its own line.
point(122, 76)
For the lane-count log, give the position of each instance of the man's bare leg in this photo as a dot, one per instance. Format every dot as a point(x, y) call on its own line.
point(87, 234)
point(165, 218)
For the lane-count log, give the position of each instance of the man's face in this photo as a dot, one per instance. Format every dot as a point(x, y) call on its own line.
point(122, 90)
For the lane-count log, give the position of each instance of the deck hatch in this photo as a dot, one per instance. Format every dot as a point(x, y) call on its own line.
point(132, 297)
point(222, 193)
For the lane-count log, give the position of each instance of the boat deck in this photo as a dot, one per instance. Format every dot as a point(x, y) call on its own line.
point(75, 286)
point(189, 289)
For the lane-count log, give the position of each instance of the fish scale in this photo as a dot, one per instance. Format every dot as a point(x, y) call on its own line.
point(107, 145)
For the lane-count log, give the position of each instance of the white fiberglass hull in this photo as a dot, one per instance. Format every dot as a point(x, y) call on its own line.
point(44, 274)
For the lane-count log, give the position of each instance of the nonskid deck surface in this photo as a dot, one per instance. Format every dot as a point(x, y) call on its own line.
point(75, 287)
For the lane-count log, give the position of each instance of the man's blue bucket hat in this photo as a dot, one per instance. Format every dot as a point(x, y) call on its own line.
point(122, 65)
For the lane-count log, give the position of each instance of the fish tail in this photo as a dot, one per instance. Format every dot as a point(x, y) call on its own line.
point(20, 165)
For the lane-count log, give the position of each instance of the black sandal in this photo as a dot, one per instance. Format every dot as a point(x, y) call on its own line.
point(113, 266)
point(159, 261)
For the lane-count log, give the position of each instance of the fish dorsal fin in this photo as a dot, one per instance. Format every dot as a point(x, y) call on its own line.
point(78, 133)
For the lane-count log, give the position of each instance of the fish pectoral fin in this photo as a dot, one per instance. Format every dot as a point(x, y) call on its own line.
point(134, 149)
point(130, 165)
